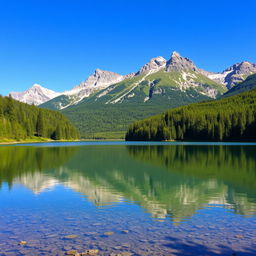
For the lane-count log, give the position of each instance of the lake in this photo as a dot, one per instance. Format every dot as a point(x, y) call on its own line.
point(128, 198)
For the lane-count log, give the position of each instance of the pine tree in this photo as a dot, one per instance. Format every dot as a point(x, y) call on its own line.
point(40, 126)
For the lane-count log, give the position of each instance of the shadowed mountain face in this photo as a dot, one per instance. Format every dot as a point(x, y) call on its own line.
point(167, 181)
point(248, 84)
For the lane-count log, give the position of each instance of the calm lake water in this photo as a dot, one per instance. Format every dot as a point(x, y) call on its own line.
point(150, 198)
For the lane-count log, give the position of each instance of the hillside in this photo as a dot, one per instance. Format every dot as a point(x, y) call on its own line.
point(20, 121)
point(108, 115)
point(228, 119)
point(247, 85)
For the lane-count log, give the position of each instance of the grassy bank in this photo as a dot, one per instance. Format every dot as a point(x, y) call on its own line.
point(4, 141)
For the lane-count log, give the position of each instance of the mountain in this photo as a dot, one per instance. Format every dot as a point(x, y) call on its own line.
point(157, 86)
point(233, 75)
point(156, 79)
point(38, 95)
point(106, 103)
point(35, 95)
point(248, 84)
point(20, 121)
point(99, 80)
point(178, 71)
point(229, 119)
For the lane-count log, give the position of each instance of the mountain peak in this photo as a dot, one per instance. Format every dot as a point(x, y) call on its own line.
point(153, 65)
point(238, 72)
point(241, 67)
point(179, 63)
point(37, 86)
point(100, 79)
point(99, 71)
point(175, 55)
point(36, 95)
point(103, 72)
point(233, 75)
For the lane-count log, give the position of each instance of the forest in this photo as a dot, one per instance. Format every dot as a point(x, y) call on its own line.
point(229, 119)
point(20, 121)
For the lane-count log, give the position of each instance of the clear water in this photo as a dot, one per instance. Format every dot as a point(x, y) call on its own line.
point(155, 198)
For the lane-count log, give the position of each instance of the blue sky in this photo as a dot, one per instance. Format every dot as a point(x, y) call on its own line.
point(59, 43)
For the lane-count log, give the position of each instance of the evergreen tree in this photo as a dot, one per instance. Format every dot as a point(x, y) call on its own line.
point(40, 126)
point(20, 121)
point(232, 118)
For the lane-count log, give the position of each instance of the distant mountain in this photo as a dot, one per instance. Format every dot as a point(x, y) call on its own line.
point(38, 95)
point(35, 95)
point(248, 84)
point(233, 75)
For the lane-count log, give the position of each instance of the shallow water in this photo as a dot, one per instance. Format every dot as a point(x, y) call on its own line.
point(155, 198)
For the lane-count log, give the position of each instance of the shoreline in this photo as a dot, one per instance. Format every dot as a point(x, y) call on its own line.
point(47, 141)
point(2, 143)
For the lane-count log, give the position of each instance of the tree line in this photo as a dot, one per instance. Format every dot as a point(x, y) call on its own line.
point(20, 121)
point(229, 119)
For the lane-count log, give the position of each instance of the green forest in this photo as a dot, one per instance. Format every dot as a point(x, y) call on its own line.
point(20, 121)
point(229, 119)
point(98, 120)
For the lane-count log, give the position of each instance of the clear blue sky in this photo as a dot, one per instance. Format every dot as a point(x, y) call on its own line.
point(58, 43)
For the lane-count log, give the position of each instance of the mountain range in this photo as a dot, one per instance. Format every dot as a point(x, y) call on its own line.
point(189, 77)
point(114, 100)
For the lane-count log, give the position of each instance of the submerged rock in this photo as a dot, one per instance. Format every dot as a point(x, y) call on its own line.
point(72, 252)
point(108, 233)
point(70, 236)
point(90, 252)
point(121, 254)
point(22, 243)
point(239, 236)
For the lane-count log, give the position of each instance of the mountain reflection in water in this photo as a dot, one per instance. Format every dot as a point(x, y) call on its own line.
point(172, 181)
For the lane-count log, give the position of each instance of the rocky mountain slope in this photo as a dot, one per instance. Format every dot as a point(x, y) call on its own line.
point(233, 75)
point(248, 84)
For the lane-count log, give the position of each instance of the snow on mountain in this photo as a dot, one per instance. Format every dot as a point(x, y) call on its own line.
point(35, 95)
point(100, 79)
point(177, 70)
point(233, 75)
